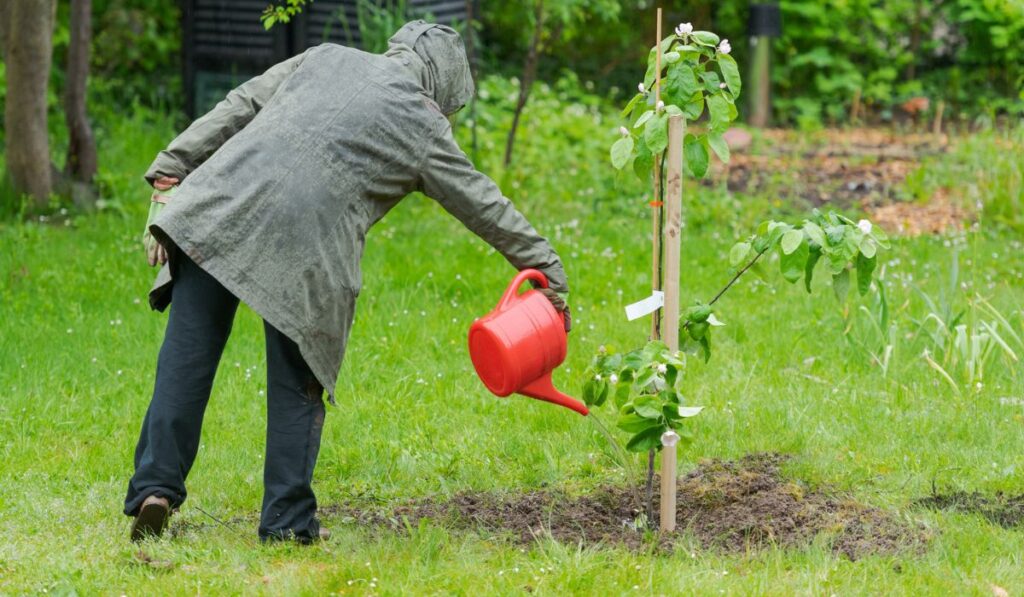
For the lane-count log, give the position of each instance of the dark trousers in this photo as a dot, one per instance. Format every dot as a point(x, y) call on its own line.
point(201, 315)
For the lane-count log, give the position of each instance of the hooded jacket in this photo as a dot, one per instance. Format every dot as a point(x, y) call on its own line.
point(282, 180)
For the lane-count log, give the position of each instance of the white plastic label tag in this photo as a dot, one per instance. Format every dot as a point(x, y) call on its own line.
point(646, 307)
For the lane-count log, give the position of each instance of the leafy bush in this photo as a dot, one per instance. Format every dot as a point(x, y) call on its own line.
point(969, 53)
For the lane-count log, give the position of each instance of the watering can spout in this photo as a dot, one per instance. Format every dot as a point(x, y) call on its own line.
point(543, 389)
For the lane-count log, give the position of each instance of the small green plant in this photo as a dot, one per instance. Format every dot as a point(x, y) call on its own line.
point(697, 72)
point(646, 384)
point(962, 344)
point(282, 13)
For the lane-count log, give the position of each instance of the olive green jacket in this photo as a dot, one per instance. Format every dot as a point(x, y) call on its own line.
point(283, 178)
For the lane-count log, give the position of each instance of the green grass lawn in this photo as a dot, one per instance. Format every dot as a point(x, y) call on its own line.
point(78, 349)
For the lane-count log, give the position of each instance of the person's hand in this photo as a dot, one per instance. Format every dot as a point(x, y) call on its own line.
point(558, 302)
point(163, 190)
point(165, 183)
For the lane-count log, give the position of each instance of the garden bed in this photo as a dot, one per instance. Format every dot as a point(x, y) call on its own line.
point(732, 506)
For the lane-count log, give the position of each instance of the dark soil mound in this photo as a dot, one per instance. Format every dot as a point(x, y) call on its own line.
point(1004, 510)
point(729, 505)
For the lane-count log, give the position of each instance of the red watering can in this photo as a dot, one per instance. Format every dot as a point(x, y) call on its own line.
point(516, 346)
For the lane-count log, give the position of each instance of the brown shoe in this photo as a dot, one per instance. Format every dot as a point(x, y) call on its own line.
point(152, 518)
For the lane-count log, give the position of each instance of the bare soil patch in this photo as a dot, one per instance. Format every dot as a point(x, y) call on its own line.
point(732, 506)
point(1002, 509)
point(855, 168)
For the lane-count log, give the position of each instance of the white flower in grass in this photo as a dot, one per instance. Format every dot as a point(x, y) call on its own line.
point(662, 368)
point(865, 226)
point(613, 378)
point(684, 29)
point(597, 377)
point(724, 47)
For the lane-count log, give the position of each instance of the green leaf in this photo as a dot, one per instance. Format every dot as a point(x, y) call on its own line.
point(841, 284)
point(793, 264)
point(621, 152)
point(731, 72)
point(632, 423)
point(656, 133)
point(791, 241)
point(268, 21)
point(643, 119)
point(589, 394)
point(689, 411)
point(648, 439)
point(696, 156)
point(682, 82)
point(712, 83)
point(648, 407)
point(705, 38)
point(719, 109)
point(868, 248)
point(621, 394)
point(644, 162)
point(694, 106)
point(705, 347)
point(816, 234)
point(865, 266)
point(738, 254)
point(812, 260)
point(698, 313)
point(835, 234)
point(718, 144)
point(628, 110)
point(671, 57)
point(698, 330)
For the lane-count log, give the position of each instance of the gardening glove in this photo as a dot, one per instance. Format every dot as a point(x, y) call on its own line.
point(558, 301)
point(163, 190)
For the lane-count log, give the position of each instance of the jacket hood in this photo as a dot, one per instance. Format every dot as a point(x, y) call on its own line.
point(437, 56)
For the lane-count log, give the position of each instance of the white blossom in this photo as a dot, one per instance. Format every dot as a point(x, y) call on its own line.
point(597, 377)
point(623, 131)
point(613, 378)
point(721, 85)
point(641, 88)
point(865, 226)
point(724, 47)
point(684, 29)
point(662, 368)
point(661, 106)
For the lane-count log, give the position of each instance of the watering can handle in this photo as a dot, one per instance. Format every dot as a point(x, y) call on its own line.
point(513, 288)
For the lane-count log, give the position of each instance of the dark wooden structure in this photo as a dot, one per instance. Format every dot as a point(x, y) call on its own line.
point(224, 42)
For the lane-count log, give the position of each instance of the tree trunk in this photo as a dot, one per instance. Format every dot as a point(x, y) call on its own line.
point(650, 489)
point(29, 50)
point(529, 74)
point(81, 160)
point(5, 20)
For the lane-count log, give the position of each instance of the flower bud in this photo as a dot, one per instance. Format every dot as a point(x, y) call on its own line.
point(613, 378)
point(661, 106)
point(641, 88)
point(662, 368)
point(721, 85)
point(623, 131)
point(724, 47)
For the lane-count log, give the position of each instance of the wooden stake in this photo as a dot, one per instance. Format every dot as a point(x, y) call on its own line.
point(937, 123)
point(655, 206)
point(673, 240)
